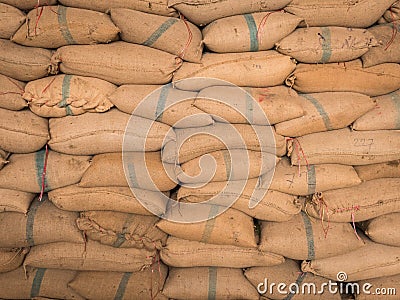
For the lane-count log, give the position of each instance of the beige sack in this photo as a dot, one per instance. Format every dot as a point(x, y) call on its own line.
point(91, 256)
point(209, 283)
point(25, 63)
point(102, 133)
point(326, 111)
point(253, 69)
point(383, 170)
point(249, 32)
point(183, 253)
point(11, 259)
point(24, 172)
point(11, 91)
point(393, 13)
point(346, 77)
point(365, 201)
point(15, 201)
point(386, 114)
point(29, 4)
point(229, 228)
point(3, 158)
point(361, 13)
point(145, 284)
point(202, 12)
point(118, 62)
point(11, 18)
point(59, 26)
point(388, 287)
point(119, 199)
point(22, 131)
point(384, 229)
point(66, 95)
point(346, 147)
point(122, 230)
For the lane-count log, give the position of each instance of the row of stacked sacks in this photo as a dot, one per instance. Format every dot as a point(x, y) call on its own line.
point(72, 228)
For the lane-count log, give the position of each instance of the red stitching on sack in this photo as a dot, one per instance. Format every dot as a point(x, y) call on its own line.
point(183, 51)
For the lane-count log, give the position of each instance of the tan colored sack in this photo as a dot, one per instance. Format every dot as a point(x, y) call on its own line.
point(365, 201)
point(346, 147)
point(66, 95)
point(183, 253)
point(60, 25)
point(202, 12)
point(145, 284)
point(25, 63)
point(249, 32)
point(388, 287)
point(277, 104)
point(122, 230)
point(386, 114)
point(384, 229)
point(15, 201)
point(11, 259)
point(253, 69)
point(158, 7)
point(24, 172)
point(232, 227)
point(360, 14)
point(3, 158)
point(305, 238)
point(22, 131)
point(101, 133)
point(11, 91)
point(91, 256)
point(383, 170)
point(326, 111)
point(29, 4)
point(307, 180)
point(119, 199)
point(209, 283)
point(33, 283)
point(346, 77)
point(172, 35)
point(393, 13)
point(118, 62)
point(11, 18)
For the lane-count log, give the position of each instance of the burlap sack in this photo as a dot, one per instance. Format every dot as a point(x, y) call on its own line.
point(386, 114)
point(122, 230)
point(277, 104)
point(307, 180)
point(308, 237)
point(210, 283)
point(11, 18)
point(15, 201)
point(388, 287)
point(326, 111)
point(383, 170)
point(145, 284)
point(393, 13)
point(119, 199)
point(365, 201)
point(28, 4)
point(33, 283)
point(118, 62)
point(249, 32)
point(229, 228)
point(384, 229)
point(273, 205)
point(11, 91)
point(25, 63)
point(22, 131)
point(25, 172)
point(360, 14)
point(172, 35)
point(66, 95)
point(3, 158)
point(289, 273)
point(346, 147)
point(60, 25)
point(11, 259)
point(158, 7)
point(346, 77)
point(202, 12)
point(253, 69)
point(91, 256)
point(90, 134)
point(183, 253)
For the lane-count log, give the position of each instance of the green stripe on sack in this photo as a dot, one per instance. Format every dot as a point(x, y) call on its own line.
point(252, 31)
point(212, 283)
point(309, 235)
point(37, 282)
point(30, 220)
point(311, 179)
point(320, 109)
point(40, 158)
point(162, 100)
point(210, 223)
point(228, 163)
point(298, 282)
point(62, 21)
point(132, 176)
point(395, 96)
point(119, 295)
point(249, 108)
point(121, 236)
point(326, 44)
point(66, 89)
point(159, 32)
